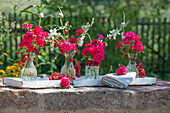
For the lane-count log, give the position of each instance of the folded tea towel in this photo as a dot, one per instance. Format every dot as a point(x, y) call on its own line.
point(118, 81)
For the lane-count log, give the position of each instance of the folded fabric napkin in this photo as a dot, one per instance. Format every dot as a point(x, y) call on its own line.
point(119, 81)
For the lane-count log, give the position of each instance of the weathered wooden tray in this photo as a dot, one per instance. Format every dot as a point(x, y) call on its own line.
point(46, 83)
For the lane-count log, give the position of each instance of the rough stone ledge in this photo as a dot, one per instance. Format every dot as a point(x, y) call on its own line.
point(147, 99)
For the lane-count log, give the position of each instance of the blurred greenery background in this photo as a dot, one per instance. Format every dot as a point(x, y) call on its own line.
point(150, 19)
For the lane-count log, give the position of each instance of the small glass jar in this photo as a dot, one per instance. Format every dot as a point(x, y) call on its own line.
point(92, 70)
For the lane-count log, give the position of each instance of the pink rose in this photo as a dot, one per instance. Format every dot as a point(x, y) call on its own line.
point(37, 30)
point(100, 43)
point(119, 44)
point(28, 25)
point(98, 57)
point(138, 46)
point(65, 82)
point(66, 46)
point(91, 50)
point(127, 40)
point(89, 45)
point(99, 49)
point(121, 71)
point(94, 42)
point(84, 52)
point(79, 32)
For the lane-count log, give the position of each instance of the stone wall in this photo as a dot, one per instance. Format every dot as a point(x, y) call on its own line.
point(134, 99)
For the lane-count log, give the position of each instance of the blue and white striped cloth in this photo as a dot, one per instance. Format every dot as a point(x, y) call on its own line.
point(118, 81)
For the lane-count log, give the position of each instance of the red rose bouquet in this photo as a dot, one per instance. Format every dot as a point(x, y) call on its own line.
point(32, 42)
point(30, 45)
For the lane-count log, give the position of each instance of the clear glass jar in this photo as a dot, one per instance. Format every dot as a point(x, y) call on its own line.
point(68, 66)
point(131, 67)
point(91, 71)
point(29, 72)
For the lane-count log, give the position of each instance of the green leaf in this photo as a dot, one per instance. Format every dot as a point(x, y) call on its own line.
point(44, 75)
point(29, 12)
point(56, 50)
point(54, 66)
point(39, 9)
point(84, 57)
point(31, 6)
point(42, 63)
point(48, 15)
point(111, 69)
point(26, 22)
point(52, 25)
point(43, 53)
point(41, 58)
point(16, 36)
point(30, 22)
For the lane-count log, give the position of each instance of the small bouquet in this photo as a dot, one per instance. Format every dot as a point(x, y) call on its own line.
point(95, 52)
point(129, 46)
point(32, 42)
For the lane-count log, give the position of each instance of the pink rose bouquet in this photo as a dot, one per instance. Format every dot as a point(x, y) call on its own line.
point(130, 44)
point(94, 51)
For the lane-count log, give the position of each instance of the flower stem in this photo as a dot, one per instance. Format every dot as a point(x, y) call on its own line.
point(62, 27)
point(89, 37)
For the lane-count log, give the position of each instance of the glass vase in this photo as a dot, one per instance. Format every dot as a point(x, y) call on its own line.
point(68, 66)
point(29, 72)
point(92, 72)
point(131, 67)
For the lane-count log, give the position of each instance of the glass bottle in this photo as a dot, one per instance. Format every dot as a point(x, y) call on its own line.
point(68, 66)
point(29, 72)
point(131, 67)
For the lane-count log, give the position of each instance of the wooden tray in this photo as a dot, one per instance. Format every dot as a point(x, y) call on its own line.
point(80, 82)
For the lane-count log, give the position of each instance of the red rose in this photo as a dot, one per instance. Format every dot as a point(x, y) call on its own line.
point(65, 82)
point(89, 63)
point(98, 57)
point(126, 55)
point(31, 48)
point(96, 64)
point(119, 44)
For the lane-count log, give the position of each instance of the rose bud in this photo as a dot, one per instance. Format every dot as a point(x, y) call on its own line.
point(60, 15)
point(65, 31)
point(41, 15)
